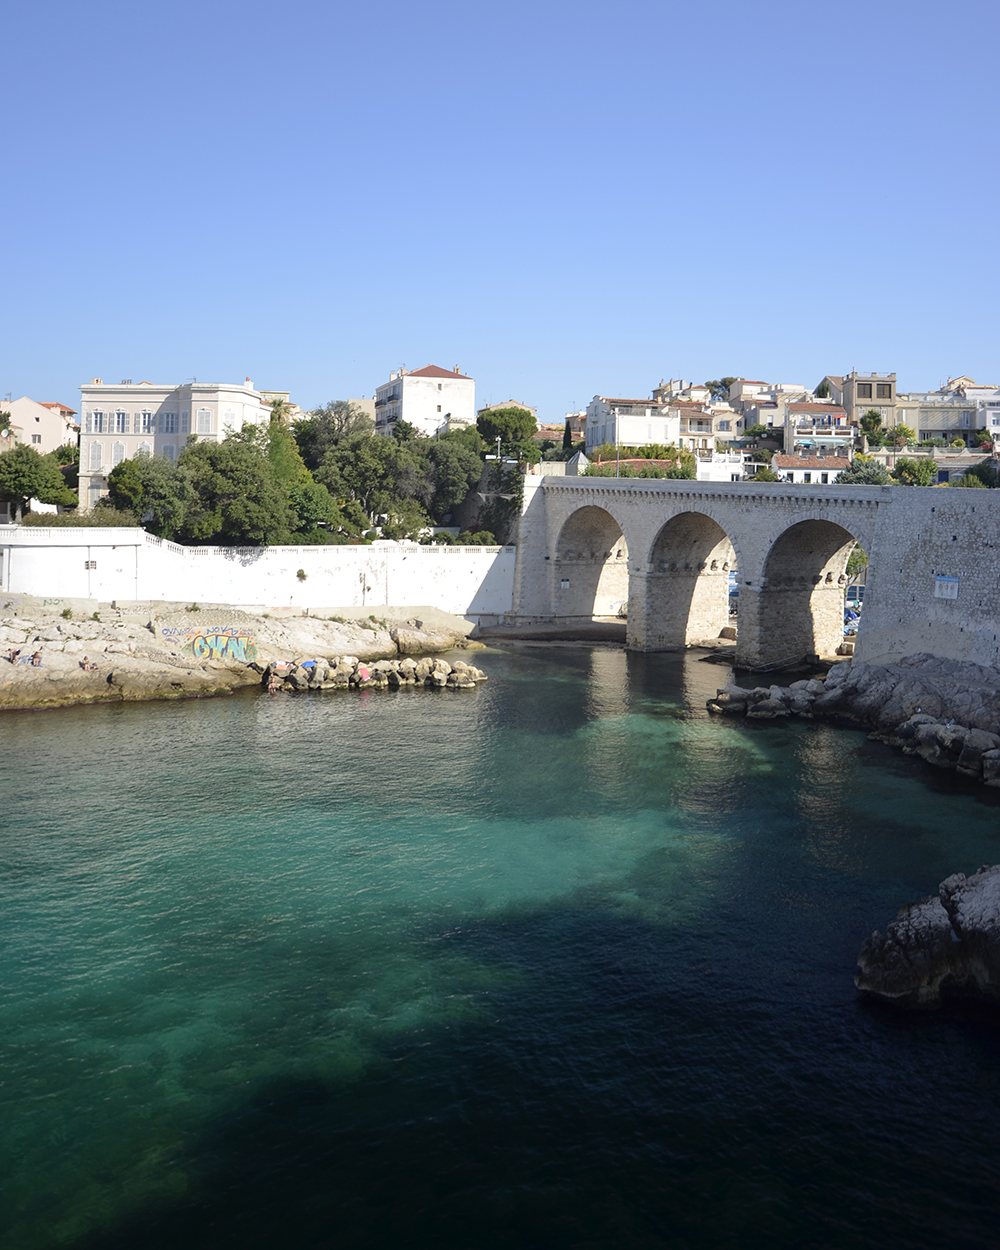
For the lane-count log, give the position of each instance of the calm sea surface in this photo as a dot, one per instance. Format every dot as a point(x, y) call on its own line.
point(560, 962)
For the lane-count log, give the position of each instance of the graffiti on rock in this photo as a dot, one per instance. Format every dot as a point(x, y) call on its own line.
point(215, 642)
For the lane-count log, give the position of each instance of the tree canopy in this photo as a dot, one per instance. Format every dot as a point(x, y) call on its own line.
point(719, 388)
point(27, 475)
point(864, 473)
point(871, 421)
point(912, 472)
point(514, 426)
point(326, 428)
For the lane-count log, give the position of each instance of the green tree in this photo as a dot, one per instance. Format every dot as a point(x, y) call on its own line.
point(327, 427)
point(856, 561)
point(823, 390)
point(864, 473)
point(719, 389)
point(912, 472)
point(756, 431)
point(512, 425)
point(765, 474)
point(26, 475)
point(157, 491)
point(455, 468)
point(984, 473)
point(5, 420)
point(900, 436)
point(871, 422)
point(237, 500)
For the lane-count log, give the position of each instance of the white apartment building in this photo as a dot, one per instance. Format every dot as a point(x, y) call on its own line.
point(806, 470)
point(745, 393)
point(631, 422)
point(120, 422)
point(44, 426)
point(432, 400)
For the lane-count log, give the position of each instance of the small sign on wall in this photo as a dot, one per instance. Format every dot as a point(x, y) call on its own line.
point(565, 583)
point(945, 587)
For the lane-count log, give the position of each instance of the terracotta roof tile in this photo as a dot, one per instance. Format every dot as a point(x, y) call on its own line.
point(432, 371)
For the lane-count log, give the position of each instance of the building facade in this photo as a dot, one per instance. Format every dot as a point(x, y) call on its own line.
point(862, 392)
point(431, 399)
point(631, 423)
point(939, 414)
point(44, 426)
point(120, 422)
point(806, 470)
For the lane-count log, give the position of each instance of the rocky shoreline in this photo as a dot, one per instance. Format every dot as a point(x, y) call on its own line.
point(947, 712)
point(342, 672)
point(173, 652)
point(946, 945)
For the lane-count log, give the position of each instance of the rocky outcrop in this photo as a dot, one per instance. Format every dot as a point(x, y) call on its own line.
point(948, 945)
point(947, 712)
point(177, 652)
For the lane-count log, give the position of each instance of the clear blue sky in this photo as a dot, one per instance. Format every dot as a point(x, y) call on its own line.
point(562, 198)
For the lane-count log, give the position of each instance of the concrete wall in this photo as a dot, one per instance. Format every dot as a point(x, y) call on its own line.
point(790, 545)
point(129, 564)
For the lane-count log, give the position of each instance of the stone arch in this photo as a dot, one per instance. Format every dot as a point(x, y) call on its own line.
point(686, 592)
point(590, 568)
point(797, 611)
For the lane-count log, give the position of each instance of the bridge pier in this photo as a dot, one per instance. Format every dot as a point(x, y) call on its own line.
point(787, 623)
point(677, 604)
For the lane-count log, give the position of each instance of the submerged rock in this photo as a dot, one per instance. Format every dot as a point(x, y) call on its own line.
point(948, 945)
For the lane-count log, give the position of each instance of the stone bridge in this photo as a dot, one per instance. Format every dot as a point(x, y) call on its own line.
point(663, 551)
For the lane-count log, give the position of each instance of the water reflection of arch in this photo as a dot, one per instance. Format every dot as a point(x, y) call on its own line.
point(798, 608)
point(687, 583)
point(590, 568)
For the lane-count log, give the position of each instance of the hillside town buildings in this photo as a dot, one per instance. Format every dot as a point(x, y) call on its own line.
point(631, 422)
point(432, 400)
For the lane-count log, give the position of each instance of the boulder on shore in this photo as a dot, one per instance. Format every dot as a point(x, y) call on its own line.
point(941, 946)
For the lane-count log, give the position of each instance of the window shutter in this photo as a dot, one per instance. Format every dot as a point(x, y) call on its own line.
point(90, 424)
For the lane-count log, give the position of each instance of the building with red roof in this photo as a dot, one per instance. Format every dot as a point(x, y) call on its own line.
point(433, 400)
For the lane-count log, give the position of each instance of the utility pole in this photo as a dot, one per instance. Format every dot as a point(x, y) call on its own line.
point(618, 452)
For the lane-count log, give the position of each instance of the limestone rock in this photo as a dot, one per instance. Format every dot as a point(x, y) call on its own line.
point(940, 946)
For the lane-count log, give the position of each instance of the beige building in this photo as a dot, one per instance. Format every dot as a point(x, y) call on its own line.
point(938, 414)
point(44, 426)
point(862, 392)
point(120, 422)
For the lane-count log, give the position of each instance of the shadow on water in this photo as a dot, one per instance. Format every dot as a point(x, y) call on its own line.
point(618, 1104)
point(587, 955)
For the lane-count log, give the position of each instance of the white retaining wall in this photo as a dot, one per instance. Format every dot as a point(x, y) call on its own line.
point(129, 564)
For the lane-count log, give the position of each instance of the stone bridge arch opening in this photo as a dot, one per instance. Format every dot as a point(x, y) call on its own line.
point(591, 567)
point(797, 613)
point(687, 584)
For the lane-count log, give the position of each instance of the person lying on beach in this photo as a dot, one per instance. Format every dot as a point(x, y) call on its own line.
point(87, 666)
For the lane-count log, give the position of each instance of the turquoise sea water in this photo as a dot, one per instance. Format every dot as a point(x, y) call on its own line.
point(560, 962)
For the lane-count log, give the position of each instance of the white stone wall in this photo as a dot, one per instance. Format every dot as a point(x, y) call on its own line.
point(129, 564)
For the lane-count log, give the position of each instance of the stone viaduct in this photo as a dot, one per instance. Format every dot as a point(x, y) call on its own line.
point(665, 548)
